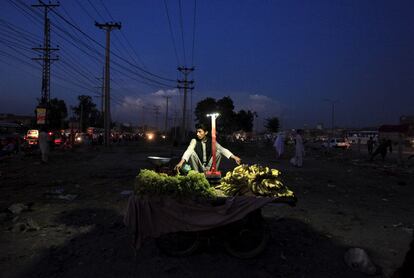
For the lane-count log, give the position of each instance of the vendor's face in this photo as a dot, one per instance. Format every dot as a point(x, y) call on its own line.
point(201, 134)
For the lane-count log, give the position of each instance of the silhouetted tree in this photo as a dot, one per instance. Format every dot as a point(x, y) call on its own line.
point(86, 113)
point(272, 124)
point(204, 107)
point(57, 113)
point(228, 121)
point(244, 120)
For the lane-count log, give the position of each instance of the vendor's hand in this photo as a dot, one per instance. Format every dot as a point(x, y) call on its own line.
point(237, 159)
point(179, 165)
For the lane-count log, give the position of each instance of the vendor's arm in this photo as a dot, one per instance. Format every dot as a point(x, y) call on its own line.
point(186, 155)
point(228, 154)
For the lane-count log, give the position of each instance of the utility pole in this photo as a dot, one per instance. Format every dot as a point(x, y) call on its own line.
point(157, 112)
point(108, 27)
point(81, 117)
point(166, 114)
point(174, 119)
point(185, 85)
point(102, 95)
point(255, 125)
point(102, 87)
point(190, 120)
point(46, 59)
point(143, 118)
point(332, 102)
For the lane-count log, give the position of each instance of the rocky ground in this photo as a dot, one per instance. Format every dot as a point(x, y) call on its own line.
point(64, 218)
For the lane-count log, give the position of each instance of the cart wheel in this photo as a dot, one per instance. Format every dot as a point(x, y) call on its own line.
point(249, 240)
point(178, 244)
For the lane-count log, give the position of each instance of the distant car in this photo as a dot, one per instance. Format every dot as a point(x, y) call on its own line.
point(81, 138)
point(32, 136)
point(58, 140)
point(340, 143)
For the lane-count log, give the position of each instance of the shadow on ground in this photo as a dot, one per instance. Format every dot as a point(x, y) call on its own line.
point(103, 249)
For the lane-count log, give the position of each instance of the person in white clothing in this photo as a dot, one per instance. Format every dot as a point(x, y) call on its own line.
point(297, 160)
point(44, 145)
point(199, 154)
point(279, 144)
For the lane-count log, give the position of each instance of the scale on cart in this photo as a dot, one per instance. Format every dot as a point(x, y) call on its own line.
point(161, 164)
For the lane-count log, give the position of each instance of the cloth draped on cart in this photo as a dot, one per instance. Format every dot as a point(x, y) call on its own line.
point(155, 216)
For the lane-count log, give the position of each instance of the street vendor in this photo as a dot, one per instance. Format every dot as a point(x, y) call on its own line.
point(198, 154)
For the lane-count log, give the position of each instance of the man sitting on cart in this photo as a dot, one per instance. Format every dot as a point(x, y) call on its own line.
point(198, 154)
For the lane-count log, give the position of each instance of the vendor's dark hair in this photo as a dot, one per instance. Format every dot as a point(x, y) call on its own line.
point(201, 126)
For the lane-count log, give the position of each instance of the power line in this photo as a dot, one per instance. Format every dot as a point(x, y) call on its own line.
point(95, 51)
point(16, 43)
point(67, 14)
point(135, 73)
point(25, 34)
point(85, 10)
point(63, 78)
point(171, 32)
point(115, 54)
point(194, 30)
point(182, 31)
point(28, 15)
point(6, 54)
point(125, 37)
point(96, 10)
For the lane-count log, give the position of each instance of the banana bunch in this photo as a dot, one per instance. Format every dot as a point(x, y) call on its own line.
point(255, 179)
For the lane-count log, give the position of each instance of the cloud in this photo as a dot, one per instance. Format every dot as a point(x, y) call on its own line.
point(129, 102)
point(264, 105)
point(133, 108)
point(257, 97)
point(172, 92)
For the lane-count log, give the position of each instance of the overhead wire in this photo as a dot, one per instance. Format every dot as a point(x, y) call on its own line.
point(113, 53)
point(96, 10)
point(125, 38)
point(182, 31)
point(28, 15)
point(85, 10)
point(194, 31)
point(99, 15)
point(16, 43)
point(114, 43)
point(22, 32)
point(67, 13)
point(36, 20)
point(171, 32)
point(6, 54)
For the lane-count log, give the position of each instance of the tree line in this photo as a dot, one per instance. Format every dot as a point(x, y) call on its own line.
point(87, 114)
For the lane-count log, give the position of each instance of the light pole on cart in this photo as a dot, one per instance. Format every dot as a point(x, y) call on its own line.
point(213, 173)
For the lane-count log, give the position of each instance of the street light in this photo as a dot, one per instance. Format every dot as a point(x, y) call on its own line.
point(213, 173)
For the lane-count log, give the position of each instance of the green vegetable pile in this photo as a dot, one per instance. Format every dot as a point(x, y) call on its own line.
point(193, 185)
point(255, 179)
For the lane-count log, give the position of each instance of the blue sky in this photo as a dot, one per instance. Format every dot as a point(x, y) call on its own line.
point(279, 58)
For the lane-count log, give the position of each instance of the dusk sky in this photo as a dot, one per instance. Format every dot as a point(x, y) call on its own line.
point(279, 58)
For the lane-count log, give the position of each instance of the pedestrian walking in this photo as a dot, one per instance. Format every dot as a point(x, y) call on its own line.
point(370, 145)
point(382, 149)
point(279, 144)
point(297, 160)
point(44, 145)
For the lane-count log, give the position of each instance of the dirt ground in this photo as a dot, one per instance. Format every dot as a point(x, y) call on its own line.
point(73, 223)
